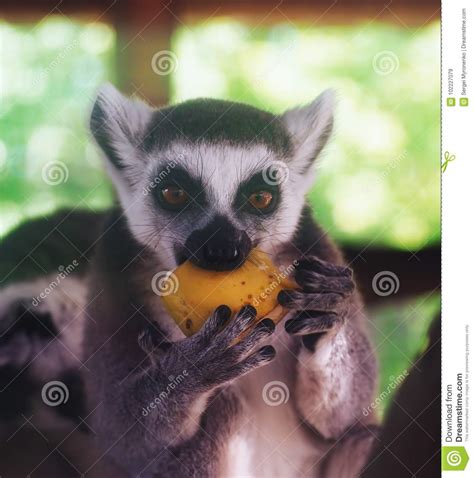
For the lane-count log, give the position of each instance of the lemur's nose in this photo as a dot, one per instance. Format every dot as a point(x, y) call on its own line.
point(218, 246)
point(214, 255)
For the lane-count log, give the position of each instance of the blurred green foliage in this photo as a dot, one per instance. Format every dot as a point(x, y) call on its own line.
point(49, 74)
point(379, 178)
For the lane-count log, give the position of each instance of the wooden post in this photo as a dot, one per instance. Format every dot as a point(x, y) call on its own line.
point(145, 60)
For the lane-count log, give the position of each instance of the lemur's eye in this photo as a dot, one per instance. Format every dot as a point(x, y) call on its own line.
point(256, 196)
point(174, 196)
point(261, 199)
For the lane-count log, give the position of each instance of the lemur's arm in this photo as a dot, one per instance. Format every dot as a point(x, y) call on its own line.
point(125, 377)
point(336, 374)
point(203, 454)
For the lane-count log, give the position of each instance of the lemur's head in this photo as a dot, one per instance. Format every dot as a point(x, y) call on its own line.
point(208, 179)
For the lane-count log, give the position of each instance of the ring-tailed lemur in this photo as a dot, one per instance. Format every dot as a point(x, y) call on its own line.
point(194, 182)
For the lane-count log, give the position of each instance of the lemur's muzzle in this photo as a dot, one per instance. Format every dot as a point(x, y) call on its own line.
point(219, 246)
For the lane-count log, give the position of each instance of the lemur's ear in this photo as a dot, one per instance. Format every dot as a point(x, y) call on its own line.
point(118, 124)
point(310, 127)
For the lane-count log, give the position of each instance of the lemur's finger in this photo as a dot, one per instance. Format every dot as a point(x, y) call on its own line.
point(22, 317)
point(244, 318)
point(323, 267)
point(299, 300)
point(215, 323)
point(261, 332)
point(17, 351)
point(151, 340)
point(310, 322)
point(312, 281)
point(262, 357)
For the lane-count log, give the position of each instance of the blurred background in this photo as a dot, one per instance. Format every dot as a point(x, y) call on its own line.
point(378, 187)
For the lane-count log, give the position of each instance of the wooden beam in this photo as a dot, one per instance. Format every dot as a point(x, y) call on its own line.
point(405, 12)
point(314, 12)
point(417, 272)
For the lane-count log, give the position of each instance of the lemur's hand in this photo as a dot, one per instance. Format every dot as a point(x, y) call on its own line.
point(24, 332)
point(215, 355)
point(321, 303)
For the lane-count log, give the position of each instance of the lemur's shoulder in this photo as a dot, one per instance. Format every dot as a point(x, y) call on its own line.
point(115, 290)
point(116, 246)
point(121, 267)
point(311, 239)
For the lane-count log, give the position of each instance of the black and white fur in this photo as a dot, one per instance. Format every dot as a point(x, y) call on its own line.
point(215, 422)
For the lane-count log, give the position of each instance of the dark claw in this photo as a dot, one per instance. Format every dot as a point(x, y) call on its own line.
point(266, 324)
point(224, 313)
point(244, 318)
point(284, 297)
point(267, 352)
point(215, 323)
point(248, 310)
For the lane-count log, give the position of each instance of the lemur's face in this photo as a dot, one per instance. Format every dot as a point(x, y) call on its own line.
point(209, 180)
